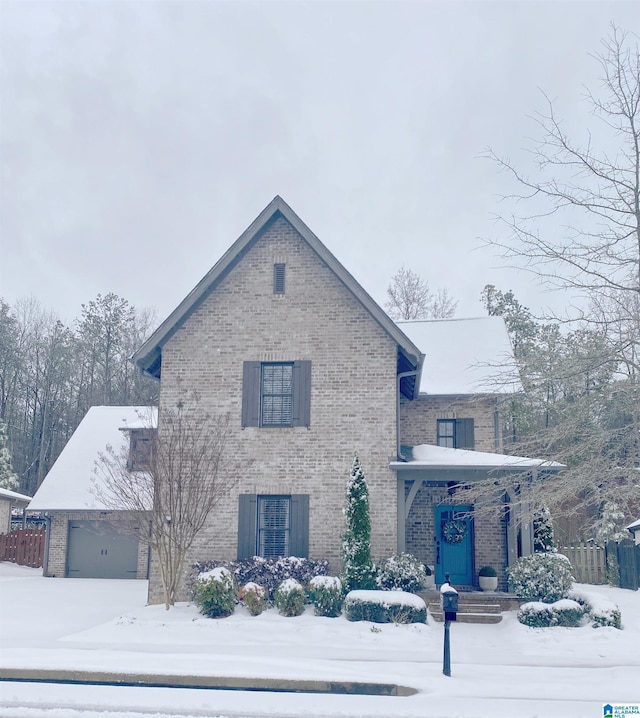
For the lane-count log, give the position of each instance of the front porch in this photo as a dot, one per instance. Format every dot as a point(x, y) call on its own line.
point(474, 606)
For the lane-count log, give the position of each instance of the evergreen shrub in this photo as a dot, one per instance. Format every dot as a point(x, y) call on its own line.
point(379, 607)
point(565, 612)
point(326, 595)
point(290, 598)
point(541, 577)
point(214, 593)
point(402, 572)
point(488, 572)
point(253, 597)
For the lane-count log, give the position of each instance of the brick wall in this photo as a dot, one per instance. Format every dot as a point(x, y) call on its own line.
point(419, 419)
point(352, 393)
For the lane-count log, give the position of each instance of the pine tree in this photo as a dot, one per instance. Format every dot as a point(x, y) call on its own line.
point(8, 478)
point(358, 568)
point(543, 540)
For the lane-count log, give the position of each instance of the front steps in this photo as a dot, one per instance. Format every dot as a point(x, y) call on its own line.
point(473, 607)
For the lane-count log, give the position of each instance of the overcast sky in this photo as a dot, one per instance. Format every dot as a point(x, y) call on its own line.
point(139, 139)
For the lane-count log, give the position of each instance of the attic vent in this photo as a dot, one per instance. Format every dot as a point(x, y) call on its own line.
point(278, 278)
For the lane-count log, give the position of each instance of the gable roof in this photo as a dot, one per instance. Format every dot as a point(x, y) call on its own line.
point(71, 482)
point(149, 356)
point(14, 498)
point(464, 356)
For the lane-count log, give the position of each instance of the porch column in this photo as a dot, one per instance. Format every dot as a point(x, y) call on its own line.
point(400, 511)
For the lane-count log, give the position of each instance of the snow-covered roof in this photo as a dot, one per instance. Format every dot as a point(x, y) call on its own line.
point(70, 484)
point(428, 456)
point(464, 356)
point(634, 526)
point(14, 497)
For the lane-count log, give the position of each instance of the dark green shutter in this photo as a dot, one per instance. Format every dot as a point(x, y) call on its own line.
point(302, 393)
point(299, 536)
point(247, 517)
point(464, 434)
point(251, 393)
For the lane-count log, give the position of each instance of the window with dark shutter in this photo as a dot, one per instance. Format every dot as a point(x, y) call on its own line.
point(140, 449)
point(455, 433)
point(272, 526)
point(276, 394)
point(278, 278)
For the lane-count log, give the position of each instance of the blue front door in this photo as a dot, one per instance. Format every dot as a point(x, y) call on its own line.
point(454, 544)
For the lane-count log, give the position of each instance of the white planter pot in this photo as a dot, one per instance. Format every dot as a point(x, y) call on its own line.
point(430, 582)
point(488, 583)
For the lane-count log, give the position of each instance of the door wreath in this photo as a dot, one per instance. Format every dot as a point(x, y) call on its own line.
point(454, 531)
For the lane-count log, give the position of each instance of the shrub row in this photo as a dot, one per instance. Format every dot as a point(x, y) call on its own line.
point(564, 612)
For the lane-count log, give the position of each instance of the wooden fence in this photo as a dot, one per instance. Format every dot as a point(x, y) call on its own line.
point(24, 547)
point(589, 562)
point(626, 556)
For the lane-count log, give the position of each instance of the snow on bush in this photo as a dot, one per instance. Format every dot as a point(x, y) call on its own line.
point(564, 612)
point(326, 595)
point(269, 572)
point(290, 597)
point(402, 572)
point(214, 592)
point(385, 607)
point(541, 577)
point(253, 597)
point(602, 612)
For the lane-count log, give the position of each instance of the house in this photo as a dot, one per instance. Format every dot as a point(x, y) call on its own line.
point(634, 529)
point(87, 536)
point(310, 370)
point(9, 499)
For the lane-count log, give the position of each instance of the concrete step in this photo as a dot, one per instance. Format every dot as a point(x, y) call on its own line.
point(506, 601)
point(469, 617)
point(493, 608)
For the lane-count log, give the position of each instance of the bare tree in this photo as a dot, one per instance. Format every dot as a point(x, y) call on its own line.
point(410, 297)
point(185, 476)
point(574, 221)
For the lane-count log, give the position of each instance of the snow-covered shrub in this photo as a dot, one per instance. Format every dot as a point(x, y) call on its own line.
point(564, 612)
point(402, 572)
point(269, 572)
point(541, 577)
point(601, 611)
point(543, 539)
point(290, 598)
point(253, 597)
point(384, 607)
point(536, 614)
point(326, 595)
point(214, 593)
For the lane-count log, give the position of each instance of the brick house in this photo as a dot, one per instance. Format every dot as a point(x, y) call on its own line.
point(311, 370)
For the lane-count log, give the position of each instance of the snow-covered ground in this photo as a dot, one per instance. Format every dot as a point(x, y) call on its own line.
point(505, 670)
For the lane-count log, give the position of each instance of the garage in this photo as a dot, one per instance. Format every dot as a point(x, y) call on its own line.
point(97, 550)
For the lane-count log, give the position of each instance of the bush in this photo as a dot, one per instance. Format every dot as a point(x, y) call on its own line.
point(564, 612)
point(268, 572)
point(214, 593)
point(252, 596)
point(488, 572)
point(402, 572)
point(384, 607)
point(601, 611)
point(326, 595)
point(541, 577)
point(290, 598)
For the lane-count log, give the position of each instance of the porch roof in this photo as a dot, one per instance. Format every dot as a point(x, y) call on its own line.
point(430, 457)
point(14, 498)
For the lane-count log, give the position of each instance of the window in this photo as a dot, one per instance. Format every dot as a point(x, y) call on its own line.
point(140, 449)
point(278, 278)
point(455, 433)
point(273, 525)
point(276, 394)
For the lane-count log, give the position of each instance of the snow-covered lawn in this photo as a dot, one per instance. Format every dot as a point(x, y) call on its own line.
point(505, 670)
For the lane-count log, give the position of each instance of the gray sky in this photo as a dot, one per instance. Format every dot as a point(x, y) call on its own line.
point(139, 139)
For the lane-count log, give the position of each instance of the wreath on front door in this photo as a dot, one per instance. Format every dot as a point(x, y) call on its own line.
point(454, 531)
